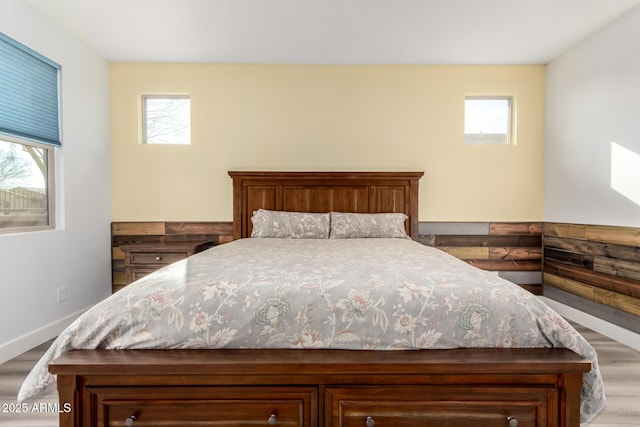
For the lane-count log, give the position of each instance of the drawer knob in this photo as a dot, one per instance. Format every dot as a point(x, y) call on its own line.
point(370, 422)
point(272, 420)
point(513, 422)
point(158, 258)
point(129, 421)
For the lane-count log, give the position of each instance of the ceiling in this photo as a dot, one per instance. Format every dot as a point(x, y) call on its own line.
point(333, 31)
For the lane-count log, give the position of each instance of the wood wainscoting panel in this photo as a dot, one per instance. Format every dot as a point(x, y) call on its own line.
point(511, 249)
point(598, 263)
point(137, 228)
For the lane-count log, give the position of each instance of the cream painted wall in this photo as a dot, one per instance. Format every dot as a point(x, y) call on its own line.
point(327, 117)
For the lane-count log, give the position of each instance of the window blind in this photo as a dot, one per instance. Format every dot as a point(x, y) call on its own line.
point(29, 93)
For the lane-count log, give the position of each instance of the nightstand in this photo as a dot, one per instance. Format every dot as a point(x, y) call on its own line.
point(141, 259)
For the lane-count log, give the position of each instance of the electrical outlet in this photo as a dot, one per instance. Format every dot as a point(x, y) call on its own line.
point(61, 293)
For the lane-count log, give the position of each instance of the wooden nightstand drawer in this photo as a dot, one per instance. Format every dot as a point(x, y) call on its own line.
point(139, 272)
point(164, 258)
point(141, 259)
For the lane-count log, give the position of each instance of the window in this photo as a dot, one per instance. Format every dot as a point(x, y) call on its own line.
point(29, 135)
point(166, 119)
point(26, 195)
point(488, 120)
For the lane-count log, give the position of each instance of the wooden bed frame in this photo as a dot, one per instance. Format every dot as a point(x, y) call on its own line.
point(363, 192)
point(314, 388)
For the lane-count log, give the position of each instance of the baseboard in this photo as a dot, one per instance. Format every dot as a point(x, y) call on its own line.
point(26, 342)
point(622, 335)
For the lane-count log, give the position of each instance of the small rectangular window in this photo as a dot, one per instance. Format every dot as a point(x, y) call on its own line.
point(488, 119)
point(166, 119)
point(26, 177)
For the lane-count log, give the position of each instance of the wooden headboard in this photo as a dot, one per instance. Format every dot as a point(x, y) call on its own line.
point(361, 192)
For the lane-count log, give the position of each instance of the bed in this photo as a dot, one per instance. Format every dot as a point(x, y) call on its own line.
point(323, 311)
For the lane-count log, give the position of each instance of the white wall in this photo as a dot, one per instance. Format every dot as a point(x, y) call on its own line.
point(592, 141)
point(77, 253)
point(592, 103)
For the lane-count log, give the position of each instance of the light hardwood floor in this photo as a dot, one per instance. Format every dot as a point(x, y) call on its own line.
point(620, 367)
point(12, 373)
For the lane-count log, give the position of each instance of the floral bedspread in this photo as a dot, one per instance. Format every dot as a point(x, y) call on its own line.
point(384, 294)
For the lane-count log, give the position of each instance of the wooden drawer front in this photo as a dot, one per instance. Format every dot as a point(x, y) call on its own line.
point(440, 406)
point(139, 272)
point(202, 406)
point(157, 258)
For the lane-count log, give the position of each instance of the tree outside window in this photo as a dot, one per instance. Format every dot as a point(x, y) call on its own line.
point(166, 119)
point(24, 176)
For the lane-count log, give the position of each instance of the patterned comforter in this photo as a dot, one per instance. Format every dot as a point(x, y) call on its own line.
point(384, 294)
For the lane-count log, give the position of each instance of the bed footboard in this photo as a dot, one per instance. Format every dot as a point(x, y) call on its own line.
point(313, 388)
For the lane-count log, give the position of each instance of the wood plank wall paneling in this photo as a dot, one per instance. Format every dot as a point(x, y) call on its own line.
point(598, 263)
point(160, 231)
point(511, 249)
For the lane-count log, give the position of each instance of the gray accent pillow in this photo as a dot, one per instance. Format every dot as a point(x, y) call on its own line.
point(290, 225)
point(363, 225)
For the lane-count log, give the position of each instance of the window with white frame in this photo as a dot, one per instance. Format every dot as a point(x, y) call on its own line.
point(488, 119)
point(29, 136)
point(166, 119)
